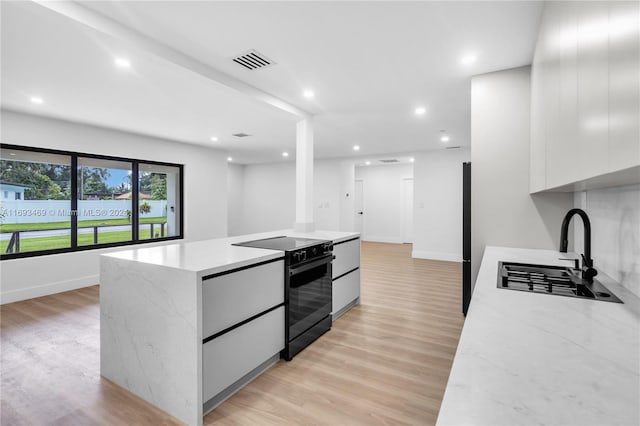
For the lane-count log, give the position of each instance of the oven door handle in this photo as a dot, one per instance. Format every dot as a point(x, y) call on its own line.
point(327, 258)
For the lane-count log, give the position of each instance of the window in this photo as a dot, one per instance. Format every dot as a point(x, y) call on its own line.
point(104, 201)
point(159, 189)
point(41, 220)
point(67, 201)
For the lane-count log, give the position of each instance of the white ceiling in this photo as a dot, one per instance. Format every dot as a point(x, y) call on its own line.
point(369, 63)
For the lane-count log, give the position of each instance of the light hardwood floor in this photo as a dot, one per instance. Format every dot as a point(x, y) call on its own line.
point(384, 362)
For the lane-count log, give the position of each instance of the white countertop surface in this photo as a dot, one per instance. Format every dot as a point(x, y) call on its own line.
point(218, 255)
point(527, 359)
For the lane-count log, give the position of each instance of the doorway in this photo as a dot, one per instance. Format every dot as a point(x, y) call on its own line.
point(358, 205)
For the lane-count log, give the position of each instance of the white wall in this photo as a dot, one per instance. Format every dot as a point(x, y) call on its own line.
point(438, 204)
point(333, 208)
point(267, 201)
point(614, 214)
point(346, 215)
point(382, 201)
point(502, 211)
point(235, 198)
point(205, 196)
point(326, 196)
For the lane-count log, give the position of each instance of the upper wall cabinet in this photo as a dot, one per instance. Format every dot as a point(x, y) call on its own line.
point(585, 100)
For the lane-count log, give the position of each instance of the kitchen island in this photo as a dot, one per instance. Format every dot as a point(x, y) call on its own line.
point(186, 325)
point(526, 358)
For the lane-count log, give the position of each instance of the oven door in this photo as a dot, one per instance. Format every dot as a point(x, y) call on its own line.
point(309, 294)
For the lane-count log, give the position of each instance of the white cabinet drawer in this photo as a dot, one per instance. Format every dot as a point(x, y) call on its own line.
point(345, 290)
point(231, 298)
point(229, 357)
point(347, 257)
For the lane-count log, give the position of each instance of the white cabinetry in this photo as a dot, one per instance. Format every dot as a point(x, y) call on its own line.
point(230, 298)
point(538, 177)
point(555, 102)
point(242, 327)
point(624, 84)
point(346, 291)
point(346, 276)
point(230, 357)
point(585, 107)
point(592, 150)
point(347, 257)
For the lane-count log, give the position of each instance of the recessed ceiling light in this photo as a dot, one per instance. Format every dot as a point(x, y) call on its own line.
point(214, 139)
point(420, 111)
point(308, 94)
point(468, 59)
point(444, 138)
point(367, 162)
point(36, 100)
point(13, 154)
point(285, 154)
point(122, 63)
point(229, 159)
point(412, 159)
point(356, 147)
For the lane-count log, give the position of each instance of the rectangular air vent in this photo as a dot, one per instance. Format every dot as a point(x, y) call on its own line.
point(452, 147)
point(241, 135)
point(389, 160)
point(253, 60)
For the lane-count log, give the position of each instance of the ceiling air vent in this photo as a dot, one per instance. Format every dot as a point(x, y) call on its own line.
point(389, 160)
point(453, 147)
point(241, 135)
point(253, 60)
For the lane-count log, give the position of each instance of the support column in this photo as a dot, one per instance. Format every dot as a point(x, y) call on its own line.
point(304, 176)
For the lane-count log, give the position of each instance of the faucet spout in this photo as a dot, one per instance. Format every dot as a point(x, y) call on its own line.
point(588, 272)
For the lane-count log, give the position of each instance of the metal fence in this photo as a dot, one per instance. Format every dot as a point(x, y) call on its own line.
point(42, 211)
point(14, 240)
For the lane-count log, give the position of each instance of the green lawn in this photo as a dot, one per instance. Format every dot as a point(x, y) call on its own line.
point(81, 224)
point(49, 243)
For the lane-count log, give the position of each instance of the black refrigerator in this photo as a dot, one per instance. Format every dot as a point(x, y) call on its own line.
point(466, 237)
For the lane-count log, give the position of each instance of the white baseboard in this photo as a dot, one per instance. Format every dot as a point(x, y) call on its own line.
point(381, 239)
point(47, 289)
point(451, 257)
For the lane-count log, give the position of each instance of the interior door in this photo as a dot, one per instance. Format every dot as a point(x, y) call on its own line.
point(407, 210)
point(358, 204)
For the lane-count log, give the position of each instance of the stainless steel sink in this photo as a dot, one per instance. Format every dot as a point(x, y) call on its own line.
point(549, 279)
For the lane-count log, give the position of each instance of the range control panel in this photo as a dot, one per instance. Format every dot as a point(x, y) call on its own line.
point(311, 252)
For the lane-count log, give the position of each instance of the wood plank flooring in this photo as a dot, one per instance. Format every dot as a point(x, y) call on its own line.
point(384, 362)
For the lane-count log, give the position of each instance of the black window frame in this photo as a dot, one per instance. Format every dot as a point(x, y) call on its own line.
point(73, 203)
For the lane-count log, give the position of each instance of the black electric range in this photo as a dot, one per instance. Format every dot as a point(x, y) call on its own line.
point(307, 295)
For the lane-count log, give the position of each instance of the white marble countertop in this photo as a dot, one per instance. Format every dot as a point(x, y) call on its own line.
point(526, 359)
point(218, 255)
